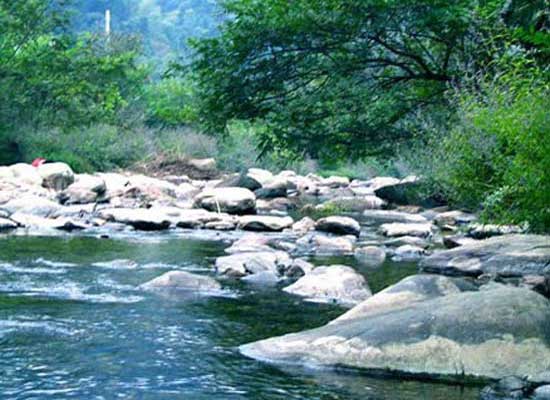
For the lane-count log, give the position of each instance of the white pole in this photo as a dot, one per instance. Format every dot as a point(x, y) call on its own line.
point(107, 22)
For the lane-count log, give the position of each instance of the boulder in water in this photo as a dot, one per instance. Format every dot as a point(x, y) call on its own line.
point(338, 284)
point(57, 176)
point(339, 225)
point(264, 223)
point(463, 335)
point(232, 200)
point(181, 280)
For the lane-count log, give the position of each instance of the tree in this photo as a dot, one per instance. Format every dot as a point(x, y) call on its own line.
point(335, 78)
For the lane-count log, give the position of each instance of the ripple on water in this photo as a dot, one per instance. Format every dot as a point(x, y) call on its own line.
point(38, 325)
point(66, 290)
point(16, 269)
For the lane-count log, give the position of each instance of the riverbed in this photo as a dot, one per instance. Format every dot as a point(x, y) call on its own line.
point(74, 324)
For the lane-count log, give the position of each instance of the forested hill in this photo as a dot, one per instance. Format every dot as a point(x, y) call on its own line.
point(164, 26)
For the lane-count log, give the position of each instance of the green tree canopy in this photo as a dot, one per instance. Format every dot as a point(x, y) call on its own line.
point(338, 78)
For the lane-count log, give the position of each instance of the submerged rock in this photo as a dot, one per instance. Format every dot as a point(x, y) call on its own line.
point(339, 225)
point(7, 224)
point(370, 255)
point(332, 284)
point(468, 334)
point(508, 255)
point(182, 280)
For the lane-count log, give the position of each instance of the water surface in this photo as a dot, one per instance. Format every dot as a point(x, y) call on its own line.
point(74, 324)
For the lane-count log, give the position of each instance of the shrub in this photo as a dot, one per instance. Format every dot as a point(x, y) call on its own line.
point(496, 157)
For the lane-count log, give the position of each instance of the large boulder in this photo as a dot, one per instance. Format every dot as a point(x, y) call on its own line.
point(239, 265)
point(233, 200)
point(401, 192)
point(140, 219)
point(85, 189)
point(277, 187)
point(57, 176)
point(464, 335)
point(264, 223)
point(255, 178)
point(26, 173)
point(339, 225)
point(508, 255)
point(405, 293)
point(32, 205)
point(197, 218)
point(338, 284)
point(402, 229)
point(181, 280)
point(353, 203)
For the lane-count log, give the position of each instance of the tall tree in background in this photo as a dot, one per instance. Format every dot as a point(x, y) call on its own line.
point(339, 78)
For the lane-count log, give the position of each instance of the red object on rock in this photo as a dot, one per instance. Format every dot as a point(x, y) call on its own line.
point(38, 162)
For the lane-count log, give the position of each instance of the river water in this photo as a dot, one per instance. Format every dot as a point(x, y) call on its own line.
point(74, 324)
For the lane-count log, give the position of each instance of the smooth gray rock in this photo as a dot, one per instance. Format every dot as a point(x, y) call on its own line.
point(480, 231)
point(405, 293)
point(139, 218)
point(404, 229)
point(276, 187)
point(264, 223)
point(239, 265)
point(507, 255)
point(372, 256)
point(181, 280)
point(232, 200)
point(408, 252)
point(57, 176)
point(393, 216)
point(322, 244)
point(32, 205)
point(339, 225)
point(542, 393)
point(468, 334)
point(332, 284)
point(400, 192)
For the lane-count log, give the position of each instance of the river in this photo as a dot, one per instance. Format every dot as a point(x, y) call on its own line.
point(75, 325)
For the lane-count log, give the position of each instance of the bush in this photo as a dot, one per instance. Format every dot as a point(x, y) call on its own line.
point(496, 157)
point(90, 149)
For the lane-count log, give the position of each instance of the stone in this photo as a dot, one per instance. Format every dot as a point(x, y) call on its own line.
point(507, 388)
point(338, 284)
point(196, 218)
point(92, 183)
point(371, 256)
point(26, 173)
point(353, 203)
point(339, 225)
point(182, 280)
point(264, 223)
point(479, 231)
point(274, 188)
point(403, 240)
point(538, 283)
point(255, 178)
point(401, 192)
point(453, 218)
point(32, 205)
point(298, 268)
point(57, 176)
point(140, 219)
point(403, 229)
point(147, 188)
point(393, 216)
point(77, 195)
point(406, 292)
point(507, 256)
point(335, 182)
point(408, 252)
point(6, 173)
point(239, 265)
point(232, 200)
point(115, 184)
point(321, 244)
point(262, 278)
point(465, 335)
point(203, 164)
point(7, 224)
point(250, 243)
point(453, 241)
point(304, 225)
point(68, 224)
point(542, 393)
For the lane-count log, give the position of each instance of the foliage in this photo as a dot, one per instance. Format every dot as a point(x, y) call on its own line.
point(334, 79)
point(171, 102)
point(496, 154)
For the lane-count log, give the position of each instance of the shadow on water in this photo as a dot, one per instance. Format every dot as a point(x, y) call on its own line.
point(68, 329)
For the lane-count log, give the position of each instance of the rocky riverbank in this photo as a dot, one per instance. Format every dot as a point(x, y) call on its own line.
point(477, 309)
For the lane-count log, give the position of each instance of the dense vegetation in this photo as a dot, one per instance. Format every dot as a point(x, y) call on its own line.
point(456, 91)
